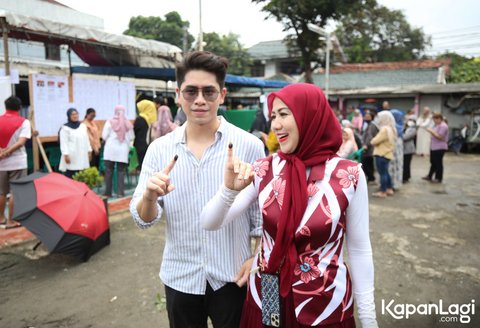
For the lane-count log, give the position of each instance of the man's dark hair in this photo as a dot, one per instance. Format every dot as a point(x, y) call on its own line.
point(13, 103)
point(205, 61)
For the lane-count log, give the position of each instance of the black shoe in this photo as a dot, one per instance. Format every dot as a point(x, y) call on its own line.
point(427, 178)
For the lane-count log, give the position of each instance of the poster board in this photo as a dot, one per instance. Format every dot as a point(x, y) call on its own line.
point(5, 91)
point(50, 99)
point(50, 102)
point(103, 96)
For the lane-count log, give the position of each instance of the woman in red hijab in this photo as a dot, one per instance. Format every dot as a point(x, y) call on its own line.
point(312, 201)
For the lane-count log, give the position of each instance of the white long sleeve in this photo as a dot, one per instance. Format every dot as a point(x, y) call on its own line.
point(225, 206)
point(360, 254)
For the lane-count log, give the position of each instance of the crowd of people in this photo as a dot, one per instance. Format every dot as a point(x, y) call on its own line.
point(83, 144)
point(386, 140)
point(297, 190)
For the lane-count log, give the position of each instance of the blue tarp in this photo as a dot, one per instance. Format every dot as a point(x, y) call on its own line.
point(166, 74)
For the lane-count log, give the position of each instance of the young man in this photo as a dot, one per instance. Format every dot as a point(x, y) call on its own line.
point(14, 132)
point(204, 272)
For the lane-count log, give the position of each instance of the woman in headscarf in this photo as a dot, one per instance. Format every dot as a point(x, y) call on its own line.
point(357, 120)
point(147, 115)
point(349, 146)
point(117, 134)
point(371, 131)
point(396, 165)
point(313, 201)
point(93, 136)
point(409, 146)
point(164, 123)
point(384, 146)
point(74, 145)
point(424, 122)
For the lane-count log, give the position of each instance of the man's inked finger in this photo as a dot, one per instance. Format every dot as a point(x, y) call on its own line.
point(170, 165)
point(230, 153)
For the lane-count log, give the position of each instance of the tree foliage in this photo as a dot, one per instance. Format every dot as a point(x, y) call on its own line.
point(296, 14)
point(170, 30)
point(466, 72)
point(371, 32)
point(229, 46)
point(462, 69)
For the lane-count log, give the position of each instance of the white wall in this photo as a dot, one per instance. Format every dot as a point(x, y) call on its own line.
point(270, 68)
point(432, 101)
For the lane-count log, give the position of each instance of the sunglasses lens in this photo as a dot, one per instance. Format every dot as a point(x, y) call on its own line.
point(190, 94)
point(209, 93)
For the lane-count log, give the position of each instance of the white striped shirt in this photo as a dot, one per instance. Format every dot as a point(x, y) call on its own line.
point(192, 256)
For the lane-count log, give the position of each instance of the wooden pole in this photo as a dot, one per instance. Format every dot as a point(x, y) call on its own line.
point(4, 24)
point(39, 142)
point(36, 159)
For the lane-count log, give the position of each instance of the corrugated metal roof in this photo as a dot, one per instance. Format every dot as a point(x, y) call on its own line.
point(269, 50)
point(360, 80)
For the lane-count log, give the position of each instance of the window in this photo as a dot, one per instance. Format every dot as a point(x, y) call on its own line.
point(52, 51)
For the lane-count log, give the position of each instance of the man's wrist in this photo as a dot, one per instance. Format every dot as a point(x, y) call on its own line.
point(150, 200)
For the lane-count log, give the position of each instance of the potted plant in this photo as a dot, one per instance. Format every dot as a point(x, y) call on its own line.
point(92, 178)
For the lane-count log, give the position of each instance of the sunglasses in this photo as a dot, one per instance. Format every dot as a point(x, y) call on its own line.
point(209, 93)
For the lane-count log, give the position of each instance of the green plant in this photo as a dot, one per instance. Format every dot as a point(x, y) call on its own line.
point(91, 177)
point(160, 302)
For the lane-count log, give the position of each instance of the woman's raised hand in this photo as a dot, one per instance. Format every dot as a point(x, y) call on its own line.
point(238, 174)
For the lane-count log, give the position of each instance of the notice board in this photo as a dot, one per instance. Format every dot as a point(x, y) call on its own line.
point(50, 99)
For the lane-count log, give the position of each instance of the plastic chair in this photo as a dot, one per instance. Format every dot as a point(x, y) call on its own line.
point(132, 165)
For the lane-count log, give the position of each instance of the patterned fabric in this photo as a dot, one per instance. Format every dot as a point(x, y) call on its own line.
point(321, 288)
point(395, 169)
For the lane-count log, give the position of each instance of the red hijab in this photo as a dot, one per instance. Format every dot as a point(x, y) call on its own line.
point(320, 137)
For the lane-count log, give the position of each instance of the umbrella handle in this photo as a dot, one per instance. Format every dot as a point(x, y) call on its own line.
point(36, 245)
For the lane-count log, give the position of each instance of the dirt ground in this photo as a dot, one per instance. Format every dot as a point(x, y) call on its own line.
point(425, 244)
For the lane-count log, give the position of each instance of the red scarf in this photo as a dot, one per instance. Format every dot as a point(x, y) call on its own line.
point(9, 123)
point(320, 137)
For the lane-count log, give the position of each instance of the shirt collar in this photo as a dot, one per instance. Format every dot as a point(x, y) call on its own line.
point(179, 136)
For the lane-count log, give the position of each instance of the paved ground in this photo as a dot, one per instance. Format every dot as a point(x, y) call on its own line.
point(425, 243)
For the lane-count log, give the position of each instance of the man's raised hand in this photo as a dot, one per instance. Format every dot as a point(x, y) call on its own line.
point(159, 183)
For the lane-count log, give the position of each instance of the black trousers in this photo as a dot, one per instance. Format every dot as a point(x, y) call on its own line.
point(368, 168)
point(224, 307)
point(70, 173)
point(407, 160)
point(121, 169)
point(436, 164)
point(95, 160)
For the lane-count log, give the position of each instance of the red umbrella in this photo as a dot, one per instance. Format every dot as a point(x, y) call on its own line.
point(64, 214)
